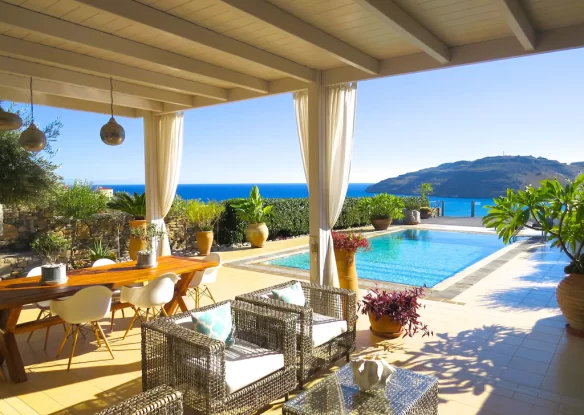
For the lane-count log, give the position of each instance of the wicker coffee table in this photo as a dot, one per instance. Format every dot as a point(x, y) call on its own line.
point(407, 393)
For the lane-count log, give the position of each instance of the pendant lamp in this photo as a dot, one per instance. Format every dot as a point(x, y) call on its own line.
point(32, 139)
point(9, 121)
point(112, 133)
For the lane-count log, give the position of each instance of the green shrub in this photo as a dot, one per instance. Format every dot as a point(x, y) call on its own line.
point(290, 217)
point(412, 202)
point(203, 216)
point(252, 209)
point(99, 251)
point(132, 205)
point(49, 246)
point(382, 206)
point(425, 209)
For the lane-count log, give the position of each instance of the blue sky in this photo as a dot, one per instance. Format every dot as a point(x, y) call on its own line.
point(526, 106)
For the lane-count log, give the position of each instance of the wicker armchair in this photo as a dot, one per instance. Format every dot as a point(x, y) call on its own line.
point(326, 308)
point(204, 370)
point(162, 400)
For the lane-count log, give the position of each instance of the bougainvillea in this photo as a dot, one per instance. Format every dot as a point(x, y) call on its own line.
point(402, 306)
point(350, 241)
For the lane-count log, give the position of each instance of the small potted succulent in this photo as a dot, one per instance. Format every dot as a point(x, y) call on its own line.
point(151, 235)
point(135, 206)
point(50, 246)
point(346, 245)
point(393, 313)
point(411, 211)
point(253, 211)
point(204, 216)
point(426, 212)
point(382, 209)
point(100, 251)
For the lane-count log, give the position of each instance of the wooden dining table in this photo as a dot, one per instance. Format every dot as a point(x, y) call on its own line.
point(16, 293)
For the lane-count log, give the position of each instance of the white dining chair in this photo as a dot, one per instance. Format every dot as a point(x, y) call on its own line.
point(103, 261)
point(157, 293)
point(87, 306)
point(207, 276)
point(43, 306)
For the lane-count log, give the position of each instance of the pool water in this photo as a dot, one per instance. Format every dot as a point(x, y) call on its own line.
point(413, 257)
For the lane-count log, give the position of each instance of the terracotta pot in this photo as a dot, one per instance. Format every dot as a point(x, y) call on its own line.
point(385, 327)
point(204, 242)
point(135, 243)
point(381, 224)
point(347, 270)
point(425, 215)
point(570, 296)
point(257, 234)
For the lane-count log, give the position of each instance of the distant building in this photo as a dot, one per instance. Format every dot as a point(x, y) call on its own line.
point(108, 191)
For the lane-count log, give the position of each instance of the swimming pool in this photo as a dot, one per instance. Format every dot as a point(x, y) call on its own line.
point(413, 256)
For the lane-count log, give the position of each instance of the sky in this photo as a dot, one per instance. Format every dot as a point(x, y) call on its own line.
point(524, 106)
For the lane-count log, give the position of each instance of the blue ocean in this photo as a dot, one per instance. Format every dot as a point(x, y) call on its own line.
point(453, 206)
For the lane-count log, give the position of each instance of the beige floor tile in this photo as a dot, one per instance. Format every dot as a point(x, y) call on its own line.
point(521, 377)
point(528, 365)
point(537, 355)
point(539, 345)
point(536, 401)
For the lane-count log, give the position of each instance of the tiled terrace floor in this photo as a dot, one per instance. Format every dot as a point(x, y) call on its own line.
point(504, 351)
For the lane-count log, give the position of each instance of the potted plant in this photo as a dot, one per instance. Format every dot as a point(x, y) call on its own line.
point(382, 209)
point(346, 245)
point(411, 211)
point(253, 212)
point(393, 313)
point(557, 209)
point(204, 216)
point(49, 246)
point(150, 235)
point(426, 212)
point(134, 206)
point(99, 251)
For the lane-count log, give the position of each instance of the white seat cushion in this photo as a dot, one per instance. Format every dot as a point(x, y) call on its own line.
point(246, 363)
point(325, 328)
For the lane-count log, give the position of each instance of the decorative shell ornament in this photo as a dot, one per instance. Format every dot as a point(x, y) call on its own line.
point(371, 372)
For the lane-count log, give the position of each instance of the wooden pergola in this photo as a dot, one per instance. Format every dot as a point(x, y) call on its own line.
point(167, 56)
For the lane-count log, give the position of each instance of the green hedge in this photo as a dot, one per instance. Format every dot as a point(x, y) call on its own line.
point(289, 218)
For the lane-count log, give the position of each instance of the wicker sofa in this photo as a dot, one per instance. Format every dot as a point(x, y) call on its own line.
point(332, 311)
point(258, 369)
point(162, 400)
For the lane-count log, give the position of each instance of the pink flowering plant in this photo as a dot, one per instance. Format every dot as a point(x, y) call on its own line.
point(350, 241)
point(401, 306)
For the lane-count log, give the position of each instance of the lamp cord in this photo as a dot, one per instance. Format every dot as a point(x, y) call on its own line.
point(112, 95)
point(31, 103)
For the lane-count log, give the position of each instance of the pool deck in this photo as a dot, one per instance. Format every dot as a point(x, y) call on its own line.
point(499, 347)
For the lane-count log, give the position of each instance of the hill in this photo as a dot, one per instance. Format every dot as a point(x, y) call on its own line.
point(486, 177)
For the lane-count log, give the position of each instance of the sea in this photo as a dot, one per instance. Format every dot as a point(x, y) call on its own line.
point(453, 206)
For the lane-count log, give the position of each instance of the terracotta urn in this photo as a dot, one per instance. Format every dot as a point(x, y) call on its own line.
point(257, 234)
point(381, 224)
point(136, 244)
point(204, 242)
point(371, 372)
point(347, 270)
point(570, 296)
point(385, 326)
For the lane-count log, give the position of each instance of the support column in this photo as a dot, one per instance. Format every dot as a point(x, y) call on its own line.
point(317, 179)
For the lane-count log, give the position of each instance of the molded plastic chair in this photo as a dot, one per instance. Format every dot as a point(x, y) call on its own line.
point(89, 305)
point(102, 262)
point(208, 276)
point(156, 294)
point(43, 306)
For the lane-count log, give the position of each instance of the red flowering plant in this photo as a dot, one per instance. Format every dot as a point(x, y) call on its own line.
point(401, 306)
point(350, 241)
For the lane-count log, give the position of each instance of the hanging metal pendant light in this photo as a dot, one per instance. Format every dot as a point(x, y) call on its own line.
point(9, 121)
point(112, 133)
point(32, 139)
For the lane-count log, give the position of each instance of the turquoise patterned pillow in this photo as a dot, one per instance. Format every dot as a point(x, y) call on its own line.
point(291, 295)
point(215, 323)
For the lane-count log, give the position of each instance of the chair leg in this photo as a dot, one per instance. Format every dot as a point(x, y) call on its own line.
point(112, 321)
point(286, 397)
point(123, 313)
point(74, 345)
point(64, 340)
point(163, 311)
point(46, 338)
point(31, 333)
point(131, 323)
point(147, 312)
point(96, 334)
point(210, 295)
point(100, 331)
point(197, 297)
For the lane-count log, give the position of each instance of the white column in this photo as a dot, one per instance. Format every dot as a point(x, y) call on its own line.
point(317, 180)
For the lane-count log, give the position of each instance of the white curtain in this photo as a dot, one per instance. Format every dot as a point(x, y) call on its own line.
point(340, 105)
point(163, 144)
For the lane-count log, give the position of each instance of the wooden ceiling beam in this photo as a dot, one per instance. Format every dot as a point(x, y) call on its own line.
point(518, 22)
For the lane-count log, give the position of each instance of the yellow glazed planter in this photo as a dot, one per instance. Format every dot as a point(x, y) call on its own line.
point(204, 242)
point(347, 270)
point(135, 243)
point(257, 234)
